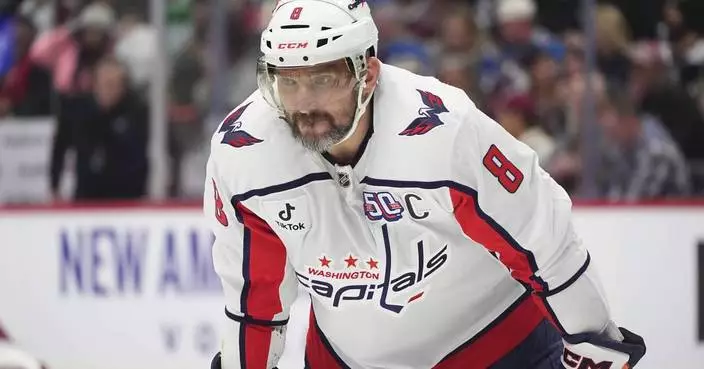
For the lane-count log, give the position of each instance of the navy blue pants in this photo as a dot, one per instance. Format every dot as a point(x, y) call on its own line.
point(542, 349)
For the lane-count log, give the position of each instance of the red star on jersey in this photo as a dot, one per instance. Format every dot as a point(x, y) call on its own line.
point(351, 262)
point(325, 262)
point(373, 264)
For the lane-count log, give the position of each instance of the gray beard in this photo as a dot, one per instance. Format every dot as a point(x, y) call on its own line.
point(324, 143)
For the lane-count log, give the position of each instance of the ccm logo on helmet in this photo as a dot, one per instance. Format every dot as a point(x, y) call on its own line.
point(355, 4)
point(293, 45)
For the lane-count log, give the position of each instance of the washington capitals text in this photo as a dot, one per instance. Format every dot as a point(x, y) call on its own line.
point(389, 287)
point(233, 135)
point(428, 115)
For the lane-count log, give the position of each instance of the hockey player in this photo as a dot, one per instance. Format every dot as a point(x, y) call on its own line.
point(12, 356)
point(426, 236)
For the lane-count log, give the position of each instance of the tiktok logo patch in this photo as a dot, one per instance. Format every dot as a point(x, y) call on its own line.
point(289, 215)
point(285, 214)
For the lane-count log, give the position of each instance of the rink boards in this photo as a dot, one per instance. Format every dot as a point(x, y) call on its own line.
point(133, 287)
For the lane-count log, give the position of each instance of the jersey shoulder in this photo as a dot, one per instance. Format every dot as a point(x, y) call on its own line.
point(239, 128)
point(417, 121)
point(253, 148)
point(422, 107)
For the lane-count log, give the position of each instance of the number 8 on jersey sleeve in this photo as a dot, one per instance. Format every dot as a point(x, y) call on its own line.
point(508, 175)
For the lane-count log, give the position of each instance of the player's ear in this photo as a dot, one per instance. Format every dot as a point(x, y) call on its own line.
point(373, 69)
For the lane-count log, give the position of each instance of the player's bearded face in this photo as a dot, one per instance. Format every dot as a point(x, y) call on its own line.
point(319, 104)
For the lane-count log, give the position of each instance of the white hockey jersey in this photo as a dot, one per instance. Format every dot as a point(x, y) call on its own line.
point(443, 246)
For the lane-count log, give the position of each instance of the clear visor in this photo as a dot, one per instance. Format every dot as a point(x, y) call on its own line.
point(293, 89)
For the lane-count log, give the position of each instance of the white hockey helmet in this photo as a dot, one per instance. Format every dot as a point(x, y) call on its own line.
point(310, 32)
point(305, 33)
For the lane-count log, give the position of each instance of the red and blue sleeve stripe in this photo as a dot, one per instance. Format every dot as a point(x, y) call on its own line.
point(263, 270)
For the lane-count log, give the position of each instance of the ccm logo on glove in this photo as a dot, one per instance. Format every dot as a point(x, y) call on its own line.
point(576, 361)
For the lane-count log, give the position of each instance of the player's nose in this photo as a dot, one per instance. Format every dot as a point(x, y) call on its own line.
point(305, 100)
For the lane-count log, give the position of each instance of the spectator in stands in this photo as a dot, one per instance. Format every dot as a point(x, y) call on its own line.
point(185, 114)
point(459, 35)
point(656, 93)
point(500, 67)
point(456, 70)
point(567, 160)
point(71, 52)
point(639, 160)
point(517, 115)
point(390, 24)
point(26, 88)
point(136, 46)
point(410, 55)
point(108, 130)
point(612, 40)
point(398, 45)
point(573, 64)
point(574, 91)
point(194, 82)
point(571, 90)
point(518, 37)
point(421, 18)
point(458, 51)
point(545, 91)
point(242, 46)
point(681, 20)
point(42, 13)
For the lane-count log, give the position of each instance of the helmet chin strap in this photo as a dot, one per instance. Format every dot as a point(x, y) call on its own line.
point(361, 108)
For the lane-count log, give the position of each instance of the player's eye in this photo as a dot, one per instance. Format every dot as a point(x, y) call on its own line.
point(323, 80)
point(288, 82)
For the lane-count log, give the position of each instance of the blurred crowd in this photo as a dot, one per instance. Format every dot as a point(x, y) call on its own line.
point(621, 123)
point(630, 119)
